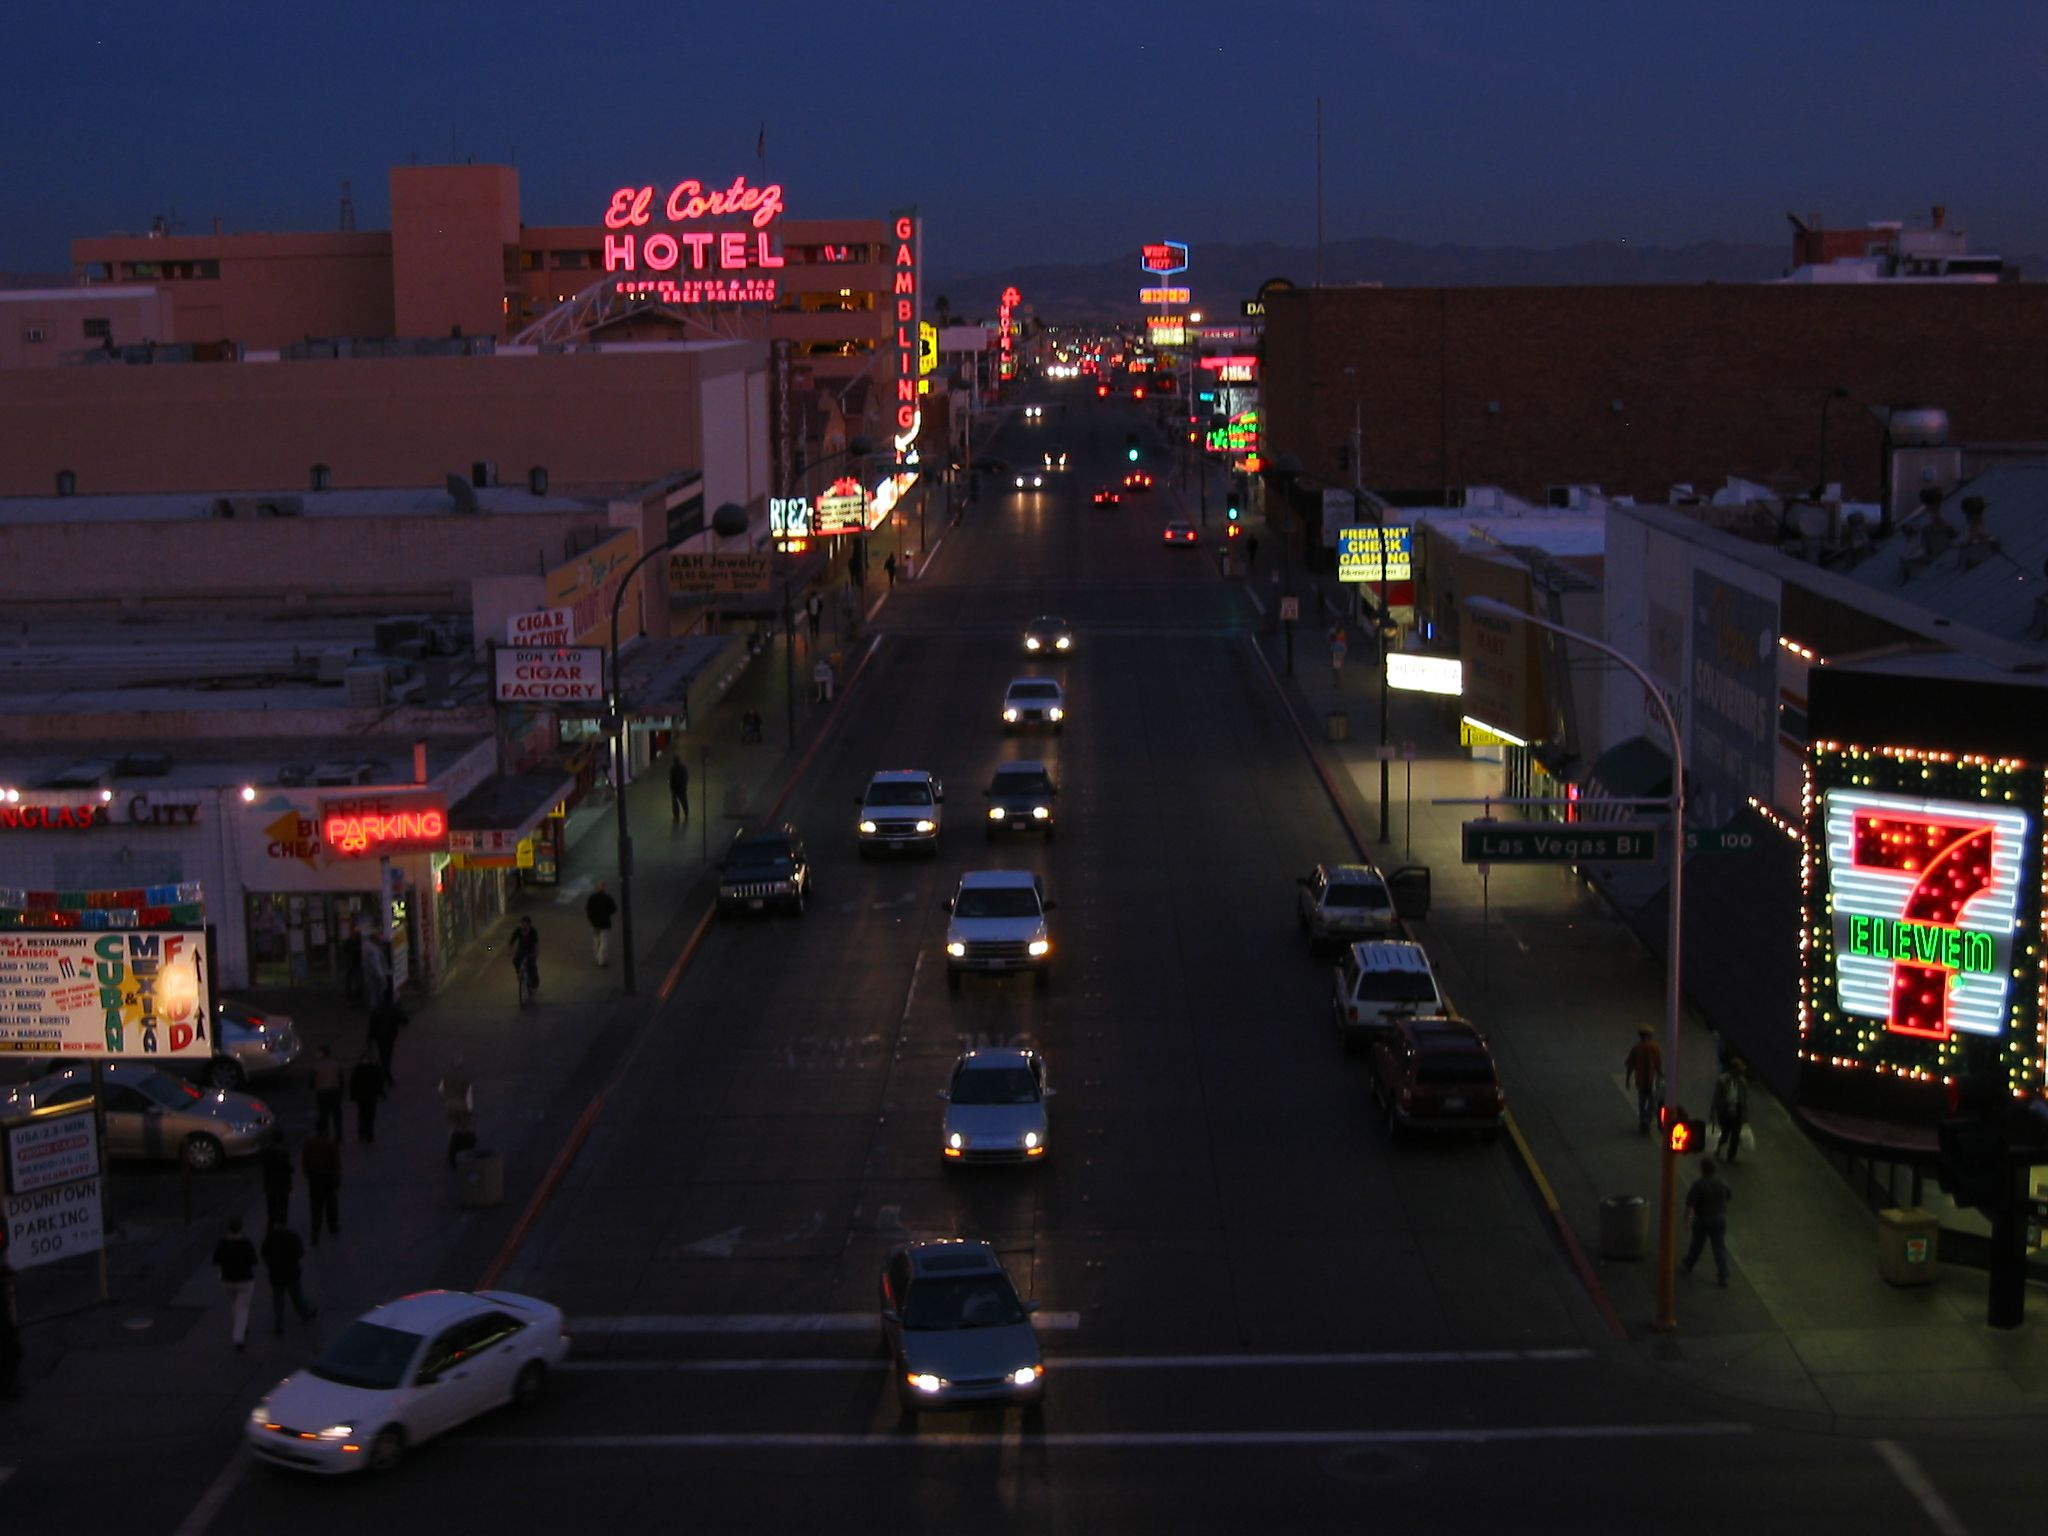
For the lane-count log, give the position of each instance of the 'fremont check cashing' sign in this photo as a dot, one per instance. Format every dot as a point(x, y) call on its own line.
point(550, 674)
point(124, 992)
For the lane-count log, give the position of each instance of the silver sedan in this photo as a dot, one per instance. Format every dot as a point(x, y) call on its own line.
point(995, 1110)
point(153, 1114)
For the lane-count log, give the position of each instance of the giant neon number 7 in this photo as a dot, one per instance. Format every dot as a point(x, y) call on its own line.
point(1951, 863)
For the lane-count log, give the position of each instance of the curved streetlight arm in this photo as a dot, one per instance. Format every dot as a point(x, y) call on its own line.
point(615, 718)
point(1667, 1222)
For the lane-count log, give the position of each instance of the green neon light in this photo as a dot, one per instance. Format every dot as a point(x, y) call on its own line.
point(1929, 944)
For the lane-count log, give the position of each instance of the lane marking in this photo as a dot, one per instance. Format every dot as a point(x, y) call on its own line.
point(216, 1495)
point(1212, 1439)
point(768, 1322)
point(1916, 1482)
point(1064, 1364)
point(910, 997)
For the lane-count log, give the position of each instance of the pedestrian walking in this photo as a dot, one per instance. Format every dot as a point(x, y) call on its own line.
point(1731, 1109)
point(326, 1090)
point(889, 569)
point(814, 609)
point(320, 1161)
point(386, 1020)
point(458, 1102)
point(1645, 1068)
point(284, 1257)
point(277, 1181)
point(366, 1087)
point(1706, 1210)
point(526, 958)
point(376, 967)
point(235, 1257)
point(352, 968)
point(821, 677)
point(678, 790)
point(1251, 552)
point(600, 910)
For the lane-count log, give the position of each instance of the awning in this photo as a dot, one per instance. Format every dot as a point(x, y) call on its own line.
point(503, 810)
point(680, 676)
point(1638, 769)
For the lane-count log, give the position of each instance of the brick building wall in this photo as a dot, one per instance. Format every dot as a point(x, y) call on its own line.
point(1636, 388)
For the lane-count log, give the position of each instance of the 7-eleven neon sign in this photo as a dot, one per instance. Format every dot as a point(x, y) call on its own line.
point(1925, 897)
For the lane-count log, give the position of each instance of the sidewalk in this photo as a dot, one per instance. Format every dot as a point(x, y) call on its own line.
point(1559, 984)
point(403, 1221)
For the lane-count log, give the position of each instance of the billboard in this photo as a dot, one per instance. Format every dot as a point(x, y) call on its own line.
point(719, 575)
point(540, 674)
point(1163, 258)
point(127, 993)
point(1922, 885)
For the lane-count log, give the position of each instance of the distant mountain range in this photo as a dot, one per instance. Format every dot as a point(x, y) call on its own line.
point(1220, 276)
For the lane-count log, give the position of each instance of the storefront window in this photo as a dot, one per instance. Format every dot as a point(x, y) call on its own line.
point(303, 939)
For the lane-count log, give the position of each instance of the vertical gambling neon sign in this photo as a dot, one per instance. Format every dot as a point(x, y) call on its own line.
point(906, 300)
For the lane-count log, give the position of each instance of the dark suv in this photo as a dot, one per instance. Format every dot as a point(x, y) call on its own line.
point(1020, 799)
point(764, 868)
point(1437, 1075)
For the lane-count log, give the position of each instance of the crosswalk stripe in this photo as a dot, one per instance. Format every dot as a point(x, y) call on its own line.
point(1128, 1440)
point(769, 1322)
point(1066, 1363)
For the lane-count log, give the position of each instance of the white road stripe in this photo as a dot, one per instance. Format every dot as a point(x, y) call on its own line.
point(1217, 1439)
point(216, 1495)
point(1908, 1472)
point(769, 1322)
point(1064, 1364)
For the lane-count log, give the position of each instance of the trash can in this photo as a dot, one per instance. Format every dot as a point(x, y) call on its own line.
point(1624, 1227)
point(1908, 1243)
point(482, 1173)
point(1337, 725)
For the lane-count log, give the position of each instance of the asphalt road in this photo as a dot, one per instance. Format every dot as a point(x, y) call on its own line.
point(1257, 1313)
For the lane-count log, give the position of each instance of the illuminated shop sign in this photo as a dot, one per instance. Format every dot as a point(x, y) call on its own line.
point(1163, 331)
point(842, 509)
point(1922, 886)
point(1006, 361)
point(1163, 257)
point(370, 826)
point(119, 810)
point(712, 260)
point(121, 993)
point(1373, 553)
point(1240, 434)
point(789, 517)
point(1233, 370)
point(1163, 295)
point(534, 674)
point(906, 295)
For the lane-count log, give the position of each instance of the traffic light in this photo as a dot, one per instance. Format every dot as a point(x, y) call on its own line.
point(1970, 1166)
point(1683, 1134)
point(1131, 446)
point(1236, 528)
point(1233, 506)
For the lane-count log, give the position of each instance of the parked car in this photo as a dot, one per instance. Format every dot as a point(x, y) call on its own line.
point(1020, 799)
point(995, 1109)
point(956, 1329)
point(1030, 701)
point(249, 1042)
point(1344, 902)
point(900, 812)
point(998, 926)
point(153, 1114)
point(404, 1372)
point(1378, 983)
point(763, 868)
point(1437, 1075)
point(1046, 635)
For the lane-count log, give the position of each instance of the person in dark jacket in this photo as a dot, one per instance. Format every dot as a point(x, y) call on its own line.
point(235, 1257)
point(326, 1089)
point(277, 1182)
point(1706, 1208)
point(366, 1087)
point(600, 910)
point(1731, 1109)
point(386, 1020)
point(283, 1256)
point(320, 1159)
point(678, 791)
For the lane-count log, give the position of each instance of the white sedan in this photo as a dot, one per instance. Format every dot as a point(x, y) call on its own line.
point(1034, 701)
point(405, 1372)
point(995, 1110)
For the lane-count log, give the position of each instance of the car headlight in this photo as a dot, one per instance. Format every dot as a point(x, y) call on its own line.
point(923, 1381)
point(1025, 1375)
point(957, 1142)
point(260, 1414)
point(338, 1432)
point(1031, 642)
point(996, 813)
point(955, 948)
point(1041, 946)
point(1063, 643)
point(1030, 1140)
point(1009, 714)
point(1041, 813)
point(867, 826)
point(927, 826)
point(1056, 713)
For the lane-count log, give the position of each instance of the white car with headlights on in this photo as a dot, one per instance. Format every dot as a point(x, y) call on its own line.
point(998, 927)
point(1034, 701)
point(956, 1329)
point(995, 1109)
point(405, 1372)
point(900, 811)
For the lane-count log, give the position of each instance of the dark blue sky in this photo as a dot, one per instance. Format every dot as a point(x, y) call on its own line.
point(1053, 130)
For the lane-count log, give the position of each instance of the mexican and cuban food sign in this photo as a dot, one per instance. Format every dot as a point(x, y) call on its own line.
point(135, 993)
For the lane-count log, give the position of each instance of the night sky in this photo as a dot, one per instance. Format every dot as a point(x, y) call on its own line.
point(1048, 131)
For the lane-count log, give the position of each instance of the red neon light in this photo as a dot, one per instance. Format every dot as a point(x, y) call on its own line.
point(357, 833)
point(1952, 861)
point(661, 252)
point(631, 207)
point(1230, 362)
point(904, 228)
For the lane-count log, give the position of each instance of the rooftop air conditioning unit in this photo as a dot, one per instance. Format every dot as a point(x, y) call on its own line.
point(367, 687)
point(293, 775)
point(342, 773)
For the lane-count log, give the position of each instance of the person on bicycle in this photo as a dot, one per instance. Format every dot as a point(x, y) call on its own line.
point(526, 957)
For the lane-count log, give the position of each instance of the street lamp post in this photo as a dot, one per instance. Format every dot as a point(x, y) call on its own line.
point(615, 721)
point(1667, 1214)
